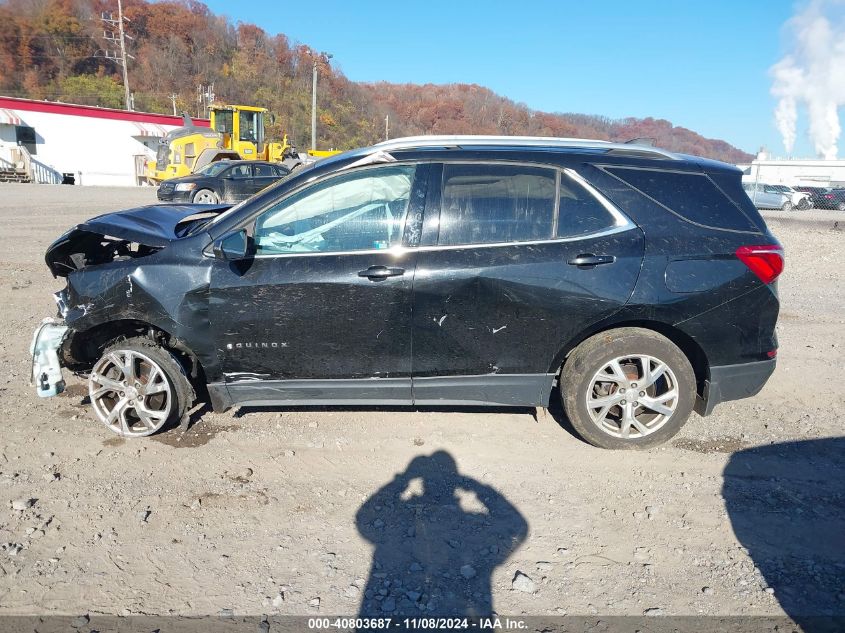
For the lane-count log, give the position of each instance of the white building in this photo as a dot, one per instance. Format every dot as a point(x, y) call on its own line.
point(55, 142)
point(797, 172)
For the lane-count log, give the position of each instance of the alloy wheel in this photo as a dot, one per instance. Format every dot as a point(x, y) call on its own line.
point(130, 393)
point(205, 197)
point(632, 396)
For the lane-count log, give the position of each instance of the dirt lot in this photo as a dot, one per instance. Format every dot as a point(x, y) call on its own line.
point(279, 512)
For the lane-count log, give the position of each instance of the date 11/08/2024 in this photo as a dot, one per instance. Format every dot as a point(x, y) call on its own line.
point(387, 624)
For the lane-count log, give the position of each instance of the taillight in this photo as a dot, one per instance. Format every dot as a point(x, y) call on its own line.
point(764, 261)
point(827, 196)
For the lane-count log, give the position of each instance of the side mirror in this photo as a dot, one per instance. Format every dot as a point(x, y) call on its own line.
point(232, 246)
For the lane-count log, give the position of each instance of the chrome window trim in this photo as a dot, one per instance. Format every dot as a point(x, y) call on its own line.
point(622, 222)
point(555, 240)
point(399, 251)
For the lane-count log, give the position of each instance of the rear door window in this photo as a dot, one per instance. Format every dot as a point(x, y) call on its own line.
point(488, 203)
point(240, 171)
point(580, 213)
point(693, 196)
point(265, 171)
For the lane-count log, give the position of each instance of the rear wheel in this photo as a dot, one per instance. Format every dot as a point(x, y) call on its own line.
point(841, 206)
point(138, 388)
point(206, 196)
point(627, 388)
point(787, 206)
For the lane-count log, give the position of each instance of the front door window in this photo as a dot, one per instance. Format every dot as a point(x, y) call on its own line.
point(356, 212)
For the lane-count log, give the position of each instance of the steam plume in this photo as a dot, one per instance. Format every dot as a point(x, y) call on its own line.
point(812, 73)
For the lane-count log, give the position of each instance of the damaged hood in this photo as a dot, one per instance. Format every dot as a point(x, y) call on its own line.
point(114, 235)
point(152, 226)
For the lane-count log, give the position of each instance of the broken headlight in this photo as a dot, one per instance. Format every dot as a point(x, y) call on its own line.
point(61, 301)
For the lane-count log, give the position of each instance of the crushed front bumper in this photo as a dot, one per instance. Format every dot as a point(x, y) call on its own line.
point(46, 368)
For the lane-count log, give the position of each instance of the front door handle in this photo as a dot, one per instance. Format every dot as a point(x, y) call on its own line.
point(588, 260)
point(381, 272)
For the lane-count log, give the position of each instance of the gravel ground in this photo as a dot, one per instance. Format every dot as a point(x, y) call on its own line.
point(355, 510)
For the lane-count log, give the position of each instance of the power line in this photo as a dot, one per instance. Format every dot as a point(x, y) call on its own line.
point(56, 56)
point(87, 93)
point(53, 37)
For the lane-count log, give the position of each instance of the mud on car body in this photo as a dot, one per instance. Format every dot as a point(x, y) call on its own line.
point(431, 270)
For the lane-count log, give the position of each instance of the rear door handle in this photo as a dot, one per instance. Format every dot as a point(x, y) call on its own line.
point(588, 260)
point(381, 272)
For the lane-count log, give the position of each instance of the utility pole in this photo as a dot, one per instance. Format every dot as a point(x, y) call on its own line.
point(123, 53)
point(386, 127)
point(120, 40)
point(326, 57)
point(314, 107)
point(173, 101)
point(205, 97)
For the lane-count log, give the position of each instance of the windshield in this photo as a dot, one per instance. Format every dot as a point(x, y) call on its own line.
point(212, 169)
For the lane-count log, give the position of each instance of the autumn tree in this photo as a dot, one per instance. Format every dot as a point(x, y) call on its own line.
point(53, 49)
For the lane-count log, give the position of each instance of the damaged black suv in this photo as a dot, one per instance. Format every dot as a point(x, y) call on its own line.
point(431, 271)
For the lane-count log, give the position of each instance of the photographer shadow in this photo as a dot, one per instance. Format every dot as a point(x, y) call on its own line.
point(438, 537)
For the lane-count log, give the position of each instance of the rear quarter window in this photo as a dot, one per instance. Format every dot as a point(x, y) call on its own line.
point(693, 196)
point(740, 194)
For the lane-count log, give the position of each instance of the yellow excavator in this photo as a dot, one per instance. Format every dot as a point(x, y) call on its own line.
point(236, 133)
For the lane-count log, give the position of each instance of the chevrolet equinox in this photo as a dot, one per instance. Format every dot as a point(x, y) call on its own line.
point(449, 271)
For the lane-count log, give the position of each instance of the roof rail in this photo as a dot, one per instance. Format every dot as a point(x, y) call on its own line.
point(412, 142)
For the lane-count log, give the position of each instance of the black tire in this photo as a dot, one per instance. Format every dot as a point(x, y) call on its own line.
point(787, 206)
point(596, 353)
point(840, 206)
point(181, 394)
point(213, 197)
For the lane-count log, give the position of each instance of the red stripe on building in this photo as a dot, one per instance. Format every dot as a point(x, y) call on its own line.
point(29, 105)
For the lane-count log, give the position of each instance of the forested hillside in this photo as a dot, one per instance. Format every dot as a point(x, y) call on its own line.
point(54, 49)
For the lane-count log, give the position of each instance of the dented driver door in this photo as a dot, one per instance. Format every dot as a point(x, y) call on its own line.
point(322, 311)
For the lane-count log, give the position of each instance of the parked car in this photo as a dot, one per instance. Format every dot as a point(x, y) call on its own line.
point(800, 200)
point(815, 193)
point(636, 283)
point(223, 181)
point(768, 196)
point(826, 197)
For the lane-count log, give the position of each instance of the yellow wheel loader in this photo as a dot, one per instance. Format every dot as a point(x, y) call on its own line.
point(236, 132)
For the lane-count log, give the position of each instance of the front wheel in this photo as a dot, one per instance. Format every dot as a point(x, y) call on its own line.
point(627, 388)
point(137, 388)
point(206, 196)
point(787, 206)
